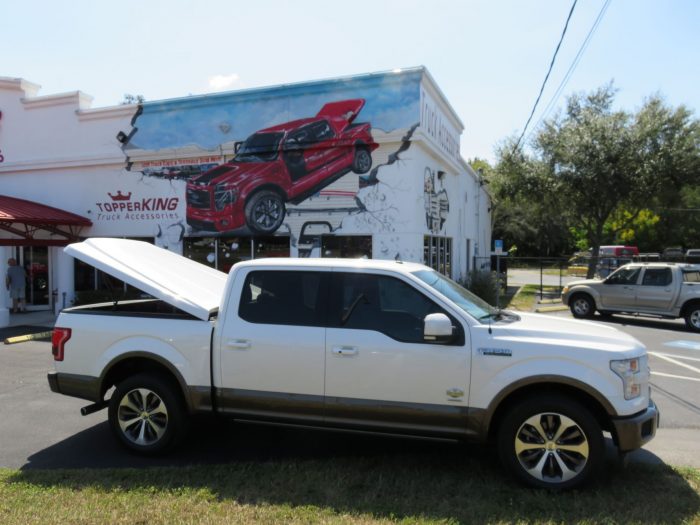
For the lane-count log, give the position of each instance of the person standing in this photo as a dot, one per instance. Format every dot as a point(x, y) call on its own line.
point(15, 281)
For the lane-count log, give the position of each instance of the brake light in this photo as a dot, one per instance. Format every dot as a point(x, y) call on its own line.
point(58, 340)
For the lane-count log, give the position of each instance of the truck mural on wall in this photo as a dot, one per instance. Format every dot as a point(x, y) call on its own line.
point(283, 163)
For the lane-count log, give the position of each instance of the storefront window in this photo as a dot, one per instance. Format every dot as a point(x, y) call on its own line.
point(437, 253)
point(223, 252)
point(271, 247)
point(346, 246)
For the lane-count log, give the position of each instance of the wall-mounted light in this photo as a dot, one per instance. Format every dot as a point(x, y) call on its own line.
point(440, 174)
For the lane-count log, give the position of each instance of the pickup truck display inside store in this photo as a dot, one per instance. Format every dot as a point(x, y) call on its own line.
point(361, 345)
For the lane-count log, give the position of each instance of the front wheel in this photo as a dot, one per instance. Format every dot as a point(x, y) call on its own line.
point(552, 443)
point(264, 212)
point(582, 306)
point(146, 414)
point(692, 317)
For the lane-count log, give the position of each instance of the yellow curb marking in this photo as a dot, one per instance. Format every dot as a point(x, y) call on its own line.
point(29, 337)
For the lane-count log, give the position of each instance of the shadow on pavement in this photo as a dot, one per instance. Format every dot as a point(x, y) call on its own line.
point(647, 322)
point(344, 473)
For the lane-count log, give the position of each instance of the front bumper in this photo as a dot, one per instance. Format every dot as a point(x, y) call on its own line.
point(633, 432)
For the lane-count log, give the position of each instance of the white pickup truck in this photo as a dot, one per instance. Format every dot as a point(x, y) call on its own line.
point(360, 345)
point(668, 290)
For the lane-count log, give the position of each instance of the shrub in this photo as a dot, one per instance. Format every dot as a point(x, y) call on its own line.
point(483, 283)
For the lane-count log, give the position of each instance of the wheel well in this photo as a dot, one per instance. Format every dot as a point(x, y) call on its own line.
point(139, 365)
point(551, 389)
point(687, 305)
point(360, 144)
point(270, 187)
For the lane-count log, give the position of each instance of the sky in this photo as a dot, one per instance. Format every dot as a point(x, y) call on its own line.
point(488, 57)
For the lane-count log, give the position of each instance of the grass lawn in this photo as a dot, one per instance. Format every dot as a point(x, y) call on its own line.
point(453, 487)
point(526, 297)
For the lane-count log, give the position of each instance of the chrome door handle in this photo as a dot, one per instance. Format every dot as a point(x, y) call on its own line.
point(344, 350)
point(241, 344)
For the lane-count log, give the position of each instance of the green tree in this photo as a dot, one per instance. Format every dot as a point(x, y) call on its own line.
point(597, 169)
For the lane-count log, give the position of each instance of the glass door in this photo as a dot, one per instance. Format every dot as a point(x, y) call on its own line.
point(35, 261)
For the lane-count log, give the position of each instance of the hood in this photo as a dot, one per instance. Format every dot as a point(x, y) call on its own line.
point(177, 280)
point(234, 173)
point(585, 282)
point(552, 330)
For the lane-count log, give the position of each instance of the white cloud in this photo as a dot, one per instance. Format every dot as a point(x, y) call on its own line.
point(224, 82)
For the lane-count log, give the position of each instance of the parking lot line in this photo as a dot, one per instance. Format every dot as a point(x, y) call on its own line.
point(675, 376)
point(686, 345)
point(681, 357)
point(675, 362)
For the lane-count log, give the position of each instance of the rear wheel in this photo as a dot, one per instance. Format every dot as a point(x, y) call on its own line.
point(146, 414)
point(362, 162)
point(552, 443)
point(582, 306)
point(692, 317)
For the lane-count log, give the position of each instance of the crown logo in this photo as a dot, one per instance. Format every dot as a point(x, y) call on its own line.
point(120, 196)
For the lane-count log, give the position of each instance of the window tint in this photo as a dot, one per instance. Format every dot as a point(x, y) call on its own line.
point(380, 303)
point(284, 297)
point(624, 276)
point(657, 277)
point(692, 276)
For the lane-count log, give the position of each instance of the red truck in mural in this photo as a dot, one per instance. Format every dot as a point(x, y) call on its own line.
point(284, 163)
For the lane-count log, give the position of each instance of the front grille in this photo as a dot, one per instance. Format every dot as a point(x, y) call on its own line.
point(198, 199)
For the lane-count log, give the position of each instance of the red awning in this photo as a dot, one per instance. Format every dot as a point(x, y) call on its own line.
point(24, 218)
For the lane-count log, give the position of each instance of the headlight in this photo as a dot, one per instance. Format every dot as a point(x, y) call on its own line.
point(224, 196)
point(564, 290)
point(628, 371)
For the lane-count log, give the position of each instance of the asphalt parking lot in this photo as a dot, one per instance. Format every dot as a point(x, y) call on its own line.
point(44, 430)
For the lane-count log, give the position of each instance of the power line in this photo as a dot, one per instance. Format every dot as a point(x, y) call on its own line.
point(551, 65)
point(573, 66)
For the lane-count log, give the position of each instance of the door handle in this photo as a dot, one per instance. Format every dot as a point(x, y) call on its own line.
point(344, 350)
point(241, 344)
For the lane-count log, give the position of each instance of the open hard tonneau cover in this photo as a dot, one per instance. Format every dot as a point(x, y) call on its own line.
point(177, 280)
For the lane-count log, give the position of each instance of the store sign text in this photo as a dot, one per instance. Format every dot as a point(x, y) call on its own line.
point(433, 122)
point(123, 208)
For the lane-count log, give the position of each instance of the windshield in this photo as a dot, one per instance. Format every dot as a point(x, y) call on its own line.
point(260, 147)
point(467, 301)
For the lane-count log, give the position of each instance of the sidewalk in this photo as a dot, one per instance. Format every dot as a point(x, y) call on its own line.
point(28, 323)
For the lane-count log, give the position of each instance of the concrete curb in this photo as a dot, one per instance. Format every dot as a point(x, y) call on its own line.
point(28, 337)
point(545, 309)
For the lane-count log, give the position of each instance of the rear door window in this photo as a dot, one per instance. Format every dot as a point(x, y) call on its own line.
point(657, 277)
point(284, 298)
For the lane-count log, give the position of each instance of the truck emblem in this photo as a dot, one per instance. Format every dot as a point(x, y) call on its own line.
point(500, 352)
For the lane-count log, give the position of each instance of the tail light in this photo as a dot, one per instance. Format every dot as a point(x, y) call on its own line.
point(58, 340)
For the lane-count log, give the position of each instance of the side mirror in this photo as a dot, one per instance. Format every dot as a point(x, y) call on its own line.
point(437, 328)
point(237, 146)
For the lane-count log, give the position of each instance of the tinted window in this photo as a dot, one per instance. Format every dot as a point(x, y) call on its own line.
point(284, 297)
point(380, 303)
point(657, 277)
point(624, 276)
point(692, 276)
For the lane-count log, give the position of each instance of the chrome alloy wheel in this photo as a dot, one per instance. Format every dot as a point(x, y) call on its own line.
point(694, 319)
point(363, 161)
point(142, 416)
point(267, 212)
point(581, 307)
point(551, 447)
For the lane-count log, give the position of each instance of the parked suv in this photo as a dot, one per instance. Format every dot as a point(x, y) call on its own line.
point(284, 163)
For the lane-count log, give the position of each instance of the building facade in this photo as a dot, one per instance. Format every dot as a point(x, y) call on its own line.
point(358, 166)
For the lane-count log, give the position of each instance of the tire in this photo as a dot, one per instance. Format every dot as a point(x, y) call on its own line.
point(362, 161)
point(692, 317)
point(264, 212)
point(147, 415)
point(582, 306)
point(528, 446)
